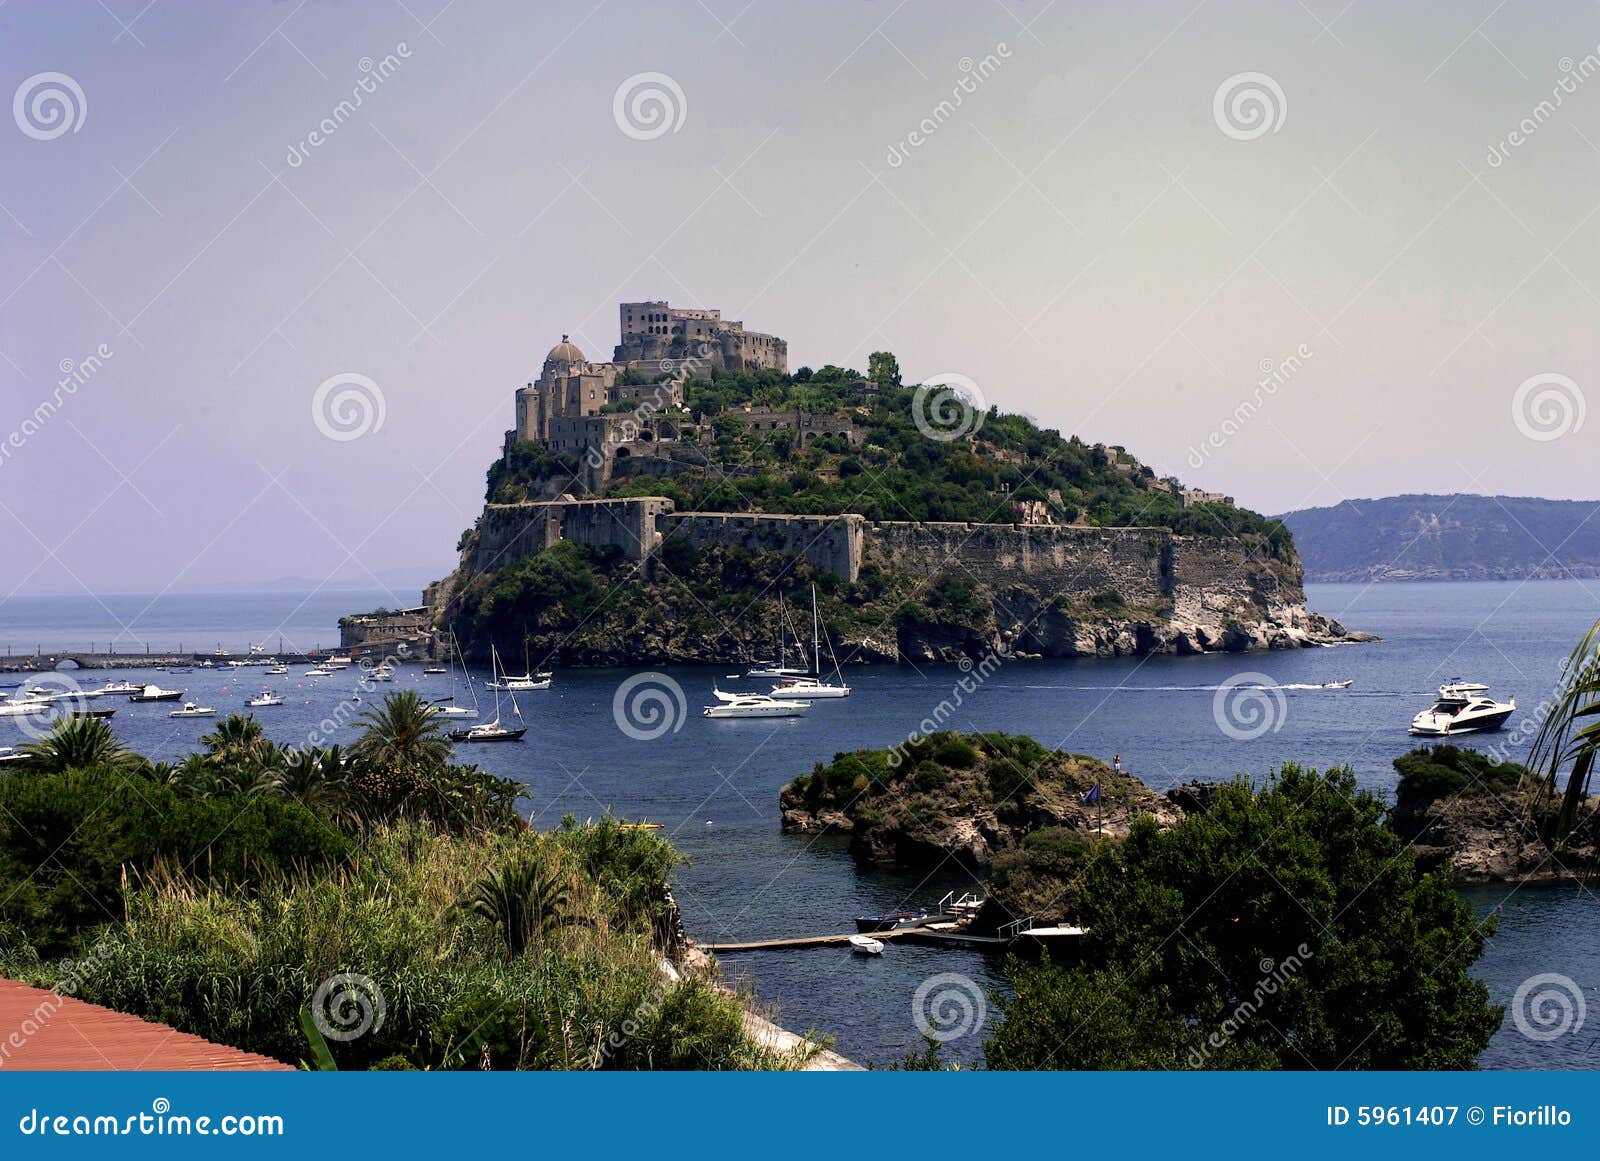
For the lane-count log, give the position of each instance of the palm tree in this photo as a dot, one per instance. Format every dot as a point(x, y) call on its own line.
point(1571, 732)
point(525, 900)
point(239, 740)
point(317, 779)
point(78, 744)
point(402, 735)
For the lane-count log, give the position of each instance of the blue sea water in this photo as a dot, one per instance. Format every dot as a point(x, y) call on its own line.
point(714, 784)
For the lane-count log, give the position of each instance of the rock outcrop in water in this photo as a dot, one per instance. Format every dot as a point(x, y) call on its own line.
point(967, 798)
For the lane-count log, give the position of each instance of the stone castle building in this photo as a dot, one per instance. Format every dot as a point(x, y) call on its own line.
point(661, 345)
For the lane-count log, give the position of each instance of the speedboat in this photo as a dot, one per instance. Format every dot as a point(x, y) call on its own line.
point(383, 672)
point(866, 945)
point(432, 669)
point(156, 693)
point(318, 671)
point(265, 697)
point(866, 924)
point(1346, 684)
point(753, 705)
point(9, 754)
point(92, 713)
point(277, 671)
point(1464, 707)
point(117, 687)
point(192, 710)
point(340, 661)
point(24, 707)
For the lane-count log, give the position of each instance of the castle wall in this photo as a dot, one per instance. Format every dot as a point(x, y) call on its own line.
point(832, 543)
point(1136, 562)
point(1199, 577)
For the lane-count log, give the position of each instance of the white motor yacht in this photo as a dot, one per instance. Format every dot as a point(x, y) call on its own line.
point(156, 693)
point(192, 710)
point(265, 697)
point(318, 671)
point(277, 670)
point(753, 705)
point(1464, 707)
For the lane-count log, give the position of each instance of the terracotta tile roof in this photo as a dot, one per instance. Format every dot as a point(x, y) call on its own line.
point(42, 1031)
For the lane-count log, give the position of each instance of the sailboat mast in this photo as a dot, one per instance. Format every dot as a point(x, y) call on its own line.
point(816, 647)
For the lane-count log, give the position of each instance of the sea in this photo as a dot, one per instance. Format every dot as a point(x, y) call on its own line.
point(636, 744)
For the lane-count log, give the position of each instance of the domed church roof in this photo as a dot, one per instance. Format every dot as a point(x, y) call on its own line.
point(565, 352)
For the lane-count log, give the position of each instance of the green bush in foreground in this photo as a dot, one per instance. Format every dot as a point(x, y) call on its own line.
point(1285, 927)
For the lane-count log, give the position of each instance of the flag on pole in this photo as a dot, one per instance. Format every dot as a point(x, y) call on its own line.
point(1092, 795)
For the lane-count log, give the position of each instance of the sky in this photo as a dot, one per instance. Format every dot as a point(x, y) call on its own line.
point(1294, 252)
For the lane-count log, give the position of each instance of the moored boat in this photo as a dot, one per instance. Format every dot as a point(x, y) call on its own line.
point(866, 945)
point(193, 710)
point(893, 921)
point(156, 693)
point(1464, 707)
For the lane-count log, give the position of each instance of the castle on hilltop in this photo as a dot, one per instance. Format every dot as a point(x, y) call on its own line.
point(632, 407)
point(661, 345)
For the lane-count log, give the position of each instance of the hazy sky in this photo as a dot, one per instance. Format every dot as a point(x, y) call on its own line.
point(1095, 236)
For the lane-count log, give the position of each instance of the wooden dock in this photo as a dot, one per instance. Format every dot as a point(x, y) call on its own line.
point(922, 936)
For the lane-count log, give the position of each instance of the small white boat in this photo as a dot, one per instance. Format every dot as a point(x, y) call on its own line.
point(191, 710)
point(753, 705)
point(277, 671)
point(265, 697)
point(117, 687)
point(9, 754)
point(26, 707)
point(1464, 707)
point(1346, 684)
point(318, 671)
point(452, 711)
point(866, 945)
point(433, 669)
point(340, 661)
point(383, 672)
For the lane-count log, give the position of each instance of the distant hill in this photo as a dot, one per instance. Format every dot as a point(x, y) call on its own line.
point(1459, 537)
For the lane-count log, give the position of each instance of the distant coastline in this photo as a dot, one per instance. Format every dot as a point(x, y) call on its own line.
point(1448, 538)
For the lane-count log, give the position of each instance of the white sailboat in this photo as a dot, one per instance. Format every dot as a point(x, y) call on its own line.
point(528, 680)
point(446, 707)
point(812, 687)
point(493, 731)
point(778, 668)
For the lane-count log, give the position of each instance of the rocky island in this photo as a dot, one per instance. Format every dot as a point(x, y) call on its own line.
point(654, 509)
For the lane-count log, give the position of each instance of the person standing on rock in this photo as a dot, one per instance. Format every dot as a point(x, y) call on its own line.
point(1116, 763)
